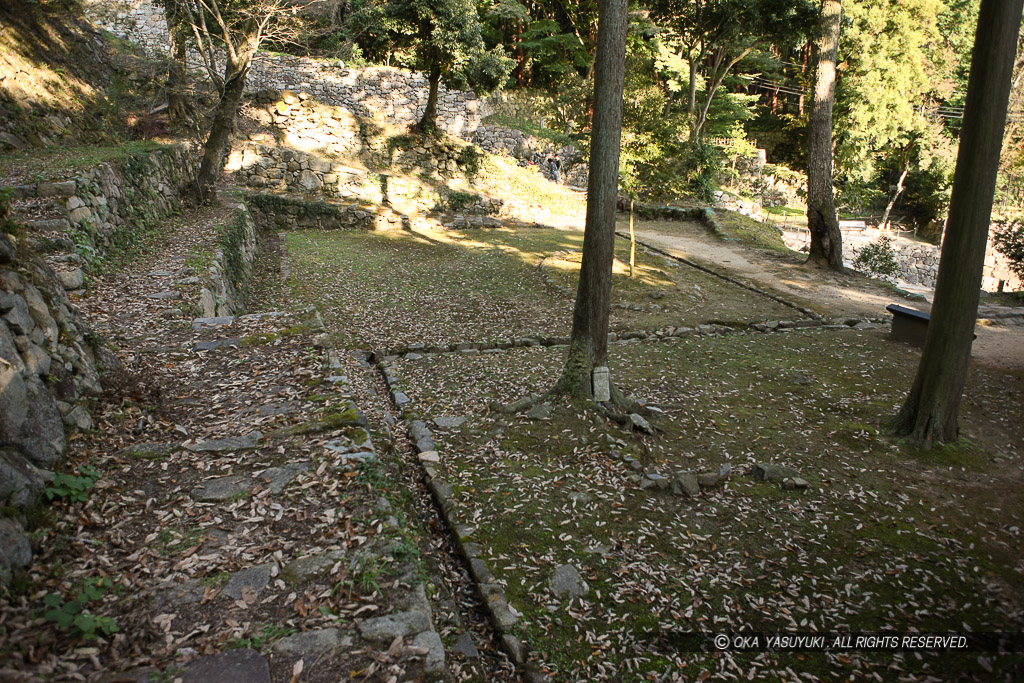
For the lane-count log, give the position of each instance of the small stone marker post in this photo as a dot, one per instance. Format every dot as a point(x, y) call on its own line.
point(602, 384)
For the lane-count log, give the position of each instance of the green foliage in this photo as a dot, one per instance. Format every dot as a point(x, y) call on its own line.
point(878, 259)
point(1009, 241)
point(72, 487)
point(446, 41)
point(73, 615)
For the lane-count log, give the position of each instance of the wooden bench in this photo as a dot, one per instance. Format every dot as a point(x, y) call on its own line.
point(908, 325)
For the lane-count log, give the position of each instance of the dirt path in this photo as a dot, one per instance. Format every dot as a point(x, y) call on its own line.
point(999, 344)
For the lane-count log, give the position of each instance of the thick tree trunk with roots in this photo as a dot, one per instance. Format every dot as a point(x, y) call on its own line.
point(428, 122)
point(588, 345)
point(215, 150)
point(826, 240)
point(931, 411)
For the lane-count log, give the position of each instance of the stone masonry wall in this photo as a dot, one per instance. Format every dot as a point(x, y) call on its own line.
point(91, 212)
point(395, 96)
point(50, 361)
point(49, 365)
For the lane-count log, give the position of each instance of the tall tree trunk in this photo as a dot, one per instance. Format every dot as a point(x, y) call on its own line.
point(932, 408)
point(217, 143)
point(178, 108)
point(691, 100)
point(896, 192)
point(822, 222)
point(428, 122)
point(588, 345)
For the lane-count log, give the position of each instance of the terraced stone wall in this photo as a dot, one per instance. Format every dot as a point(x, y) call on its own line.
point(395, 96)
point(50, 365)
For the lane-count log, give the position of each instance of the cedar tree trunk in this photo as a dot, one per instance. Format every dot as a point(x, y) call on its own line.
point(932, 408)
point(822, 222)
point(588, 345)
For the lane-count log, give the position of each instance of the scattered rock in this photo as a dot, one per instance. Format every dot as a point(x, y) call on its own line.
point(434, 659)
point(640, 424)
point(708, 480)
point(769, 472)
point(541, 411)
point(385, 629)
point(466, 647)
point(149, 451)
point(277, 478)
point(310, 567)
point(430, 457)
point(313, 644)
point(445, 422)
point(200, 324)
point(566, 581)
point(255, 579)
point(685, 483)
point(232, 443)
point(222, 488)
point(794, 483)
point(234, 666)
point(164, 296)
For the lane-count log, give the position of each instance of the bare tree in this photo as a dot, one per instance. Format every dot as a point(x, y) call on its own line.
point(822, 222)
point(931, 411)
point(231, 32)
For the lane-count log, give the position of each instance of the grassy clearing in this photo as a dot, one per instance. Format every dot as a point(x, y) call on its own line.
point(885, 539)
point(378, 288)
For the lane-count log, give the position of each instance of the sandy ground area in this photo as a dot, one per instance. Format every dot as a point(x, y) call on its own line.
point(997, 345)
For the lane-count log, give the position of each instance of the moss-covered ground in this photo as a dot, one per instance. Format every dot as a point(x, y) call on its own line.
point(886, 538)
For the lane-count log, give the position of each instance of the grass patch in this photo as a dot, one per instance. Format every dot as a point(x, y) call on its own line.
point(60, 163)
point(876, 544)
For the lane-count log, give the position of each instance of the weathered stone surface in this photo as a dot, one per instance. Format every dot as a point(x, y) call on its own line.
point(21, 483)
point(602, 384)
point(13, 404)
point(769, 472)
point(794, 483)
point(61, 189)
point(429, 457)
point(310, 567)
point(16, 313)
point(234, 666)
point(434, 659)
point(685, 484)
point(42, 433)
point(71, 279)
point(15, 550)
point(255, 579)
point(164, 296)
point(465, 647)
point(200, 324)
point(384, 629)
point(79, 417)
point(231, 443)
point(8, 252)
point(445, 422)
point(640, 424)
point(147, 450)
point(708, 480)
point(277, 478)
point(541, 411)
point(222, 488)
point(567, 582)
point(313, 644)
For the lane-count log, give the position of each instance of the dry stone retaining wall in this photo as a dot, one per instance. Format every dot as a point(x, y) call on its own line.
point(92, 211)
point(49, 365)
point(398, 97)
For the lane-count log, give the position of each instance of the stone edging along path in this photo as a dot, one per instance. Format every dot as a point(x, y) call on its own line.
point(687, 484)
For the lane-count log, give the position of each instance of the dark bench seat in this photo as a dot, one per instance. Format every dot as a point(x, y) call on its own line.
point(908, 325)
